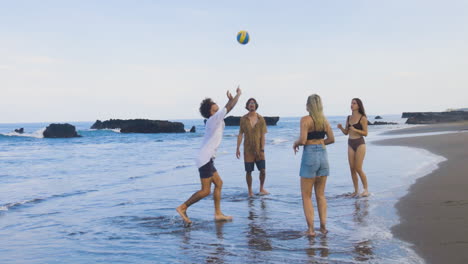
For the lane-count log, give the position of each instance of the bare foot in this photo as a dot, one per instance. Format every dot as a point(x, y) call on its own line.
point(365, 193)
point(222, 217)
point(182, 210)
point(323, 230)
point(354, 194)
point(263, 192)
point(311, 233)
point(251, 194)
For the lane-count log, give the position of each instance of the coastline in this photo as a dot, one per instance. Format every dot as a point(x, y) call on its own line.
point(434, 212)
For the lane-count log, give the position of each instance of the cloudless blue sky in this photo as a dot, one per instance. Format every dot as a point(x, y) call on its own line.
point(87, 60)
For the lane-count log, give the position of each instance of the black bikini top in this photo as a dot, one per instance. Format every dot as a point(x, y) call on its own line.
point(315, 134)
point(357, 125)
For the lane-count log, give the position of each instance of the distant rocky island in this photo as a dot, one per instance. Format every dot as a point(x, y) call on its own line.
point(435, 117)
point(140, 126)
point(380, 123)
point(60, 131)
point(235, 120)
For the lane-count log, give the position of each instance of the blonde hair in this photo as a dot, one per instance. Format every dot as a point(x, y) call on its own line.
point(315, 108)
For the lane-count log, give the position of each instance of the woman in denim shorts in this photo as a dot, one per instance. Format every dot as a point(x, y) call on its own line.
point(315, 133)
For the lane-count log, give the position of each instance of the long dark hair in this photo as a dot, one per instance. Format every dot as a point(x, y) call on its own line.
point(361, 109)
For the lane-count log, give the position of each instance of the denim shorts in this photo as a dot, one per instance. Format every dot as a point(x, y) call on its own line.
point(314, 161)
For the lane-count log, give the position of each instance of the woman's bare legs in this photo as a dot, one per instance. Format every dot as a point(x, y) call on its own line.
point(319, 186)
point(358, 161)
point(306, 190)
point(352, 168)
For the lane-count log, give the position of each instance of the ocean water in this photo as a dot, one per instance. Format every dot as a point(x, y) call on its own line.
point(109, 197)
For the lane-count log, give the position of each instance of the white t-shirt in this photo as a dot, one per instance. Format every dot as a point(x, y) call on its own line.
point(213, 134)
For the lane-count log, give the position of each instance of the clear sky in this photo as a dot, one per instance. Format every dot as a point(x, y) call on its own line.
point(87, 60)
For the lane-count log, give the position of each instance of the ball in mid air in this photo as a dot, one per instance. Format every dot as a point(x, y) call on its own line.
point(243, 37)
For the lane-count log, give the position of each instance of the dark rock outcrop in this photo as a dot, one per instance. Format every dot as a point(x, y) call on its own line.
point(19, 130)
point(60, 131)
point(434, 117)
point(140, 126)
point(235, 120)
point(193, 129)
point(378, 117)
point(383, 123)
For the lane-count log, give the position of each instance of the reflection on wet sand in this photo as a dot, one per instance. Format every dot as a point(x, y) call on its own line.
point(185, 245)
point(317, 248)
point(219, 250)
point(363, 249)
point(257, 237)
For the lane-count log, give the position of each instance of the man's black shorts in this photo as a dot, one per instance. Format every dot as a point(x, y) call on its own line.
point(207, 170)
point(249, 166)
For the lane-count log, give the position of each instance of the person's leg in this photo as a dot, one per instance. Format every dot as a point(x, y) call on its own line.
point(306, 190)
point(262, 176)
point(205, 191)
point(218, 183)
point(249, 167)
point(248, 179)
point(354, 176)
point(319, 187)
point(358, 161)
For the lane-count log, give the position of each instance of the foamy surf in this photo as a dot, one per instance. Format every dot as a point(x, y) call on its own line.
point(277, 141)
point(37, 134)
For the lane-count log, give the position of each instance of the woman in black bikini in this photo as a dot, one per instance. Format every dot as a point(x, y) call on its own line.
point(356, 127)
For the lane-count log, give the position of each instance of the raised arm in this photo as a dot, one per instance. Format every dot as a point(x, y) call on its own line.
point(232, 100)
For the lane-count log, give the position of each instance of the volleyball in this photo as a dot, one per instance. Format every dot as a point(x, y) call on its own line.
point(243, 37)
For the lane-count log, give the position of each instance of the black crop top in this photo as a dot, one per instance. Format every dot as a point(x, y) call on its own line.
point(315, 134)
point(357, 125)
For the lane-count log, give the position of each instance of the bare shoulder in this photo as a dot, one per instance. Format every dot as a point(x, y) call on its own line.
point(306, 119)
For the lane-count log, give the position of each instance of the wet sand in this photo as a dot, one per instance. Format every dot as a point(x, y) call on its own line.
point(434, 213)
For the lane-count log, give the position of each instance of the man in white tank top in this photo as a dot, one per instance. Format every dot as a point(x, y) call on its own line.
point(214, 128)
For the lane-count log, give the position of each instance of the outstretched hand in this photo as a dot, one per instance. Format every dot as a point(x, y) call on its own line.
point(238, 90)
point(339, 126)
point(229, 95)
point(232, 100)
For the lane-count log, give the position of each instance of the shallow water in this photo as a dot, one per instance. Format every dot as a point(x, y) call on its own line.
point(109, 198)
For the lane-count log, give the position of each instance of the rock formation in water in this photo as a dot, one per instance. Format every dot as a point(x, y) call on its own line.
point(60, 131)
point(140, 126)
point(235, 120)
point(434, 117)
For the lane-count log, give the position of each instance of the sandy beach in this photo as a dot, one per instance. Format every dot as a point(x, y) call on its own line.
point(434, 213)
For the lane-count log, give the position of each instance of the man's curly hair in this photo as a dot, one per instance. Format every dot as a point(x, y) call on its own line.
point(205, 107)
